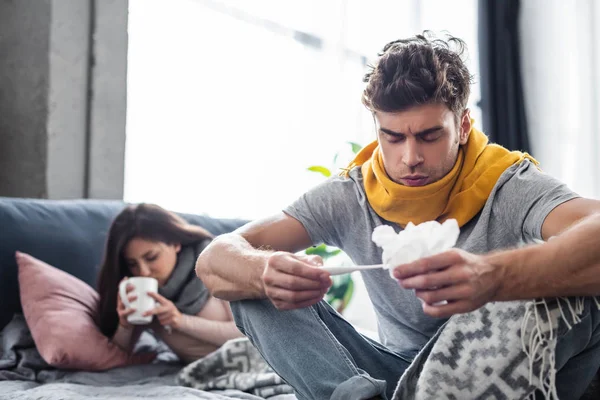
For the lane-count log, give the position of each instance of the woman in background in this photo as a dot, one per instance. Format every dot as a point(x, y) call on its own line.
point(148, 241)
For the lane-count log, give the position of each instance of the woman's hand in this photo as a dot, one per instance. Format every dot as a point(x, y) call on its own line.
point(123, 311)
point(166, 312)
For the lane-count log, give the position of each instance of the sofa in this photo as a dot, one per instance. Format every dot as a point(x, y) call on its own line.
point(69, 236)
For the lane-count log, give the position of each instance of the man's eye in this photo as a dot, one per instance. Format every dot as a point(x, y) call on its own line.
point(395, 139)
point(152, 258)
point(431, 137)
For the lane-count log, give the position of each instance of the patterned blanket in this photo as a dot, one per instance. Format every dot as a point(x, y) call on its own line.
point(504, 350)
point(235, 365)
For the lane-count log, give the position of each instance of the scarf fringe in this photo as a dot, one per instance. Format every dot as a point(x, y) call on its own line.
point(539, 341)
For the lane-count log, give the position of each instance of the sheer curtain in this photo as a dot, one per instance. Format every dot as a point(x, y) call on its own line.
point(230, 101)
point(561, 74)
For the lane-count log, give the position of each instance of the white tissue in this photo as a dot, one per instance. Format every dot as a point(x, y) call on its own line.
point(415, 242)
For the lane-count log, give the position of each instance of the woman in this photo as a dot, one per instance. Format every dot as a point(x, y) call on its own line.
point(147, 240)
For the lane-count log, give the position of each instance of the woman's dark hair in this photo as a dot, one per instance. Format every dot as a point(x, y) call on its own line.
point(144, 221)
point(419, 70)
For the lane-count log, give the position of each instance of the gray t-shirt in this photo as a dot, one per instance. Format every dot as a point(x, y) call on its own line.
point(338, 214)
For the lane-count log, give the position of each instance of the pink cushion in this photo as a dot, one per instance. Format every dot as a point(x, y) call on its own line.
point(59, 310)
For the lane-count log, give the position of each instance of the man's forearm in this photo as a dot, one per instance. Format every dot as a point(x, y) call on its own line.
point(231, 268)
point(567, 265)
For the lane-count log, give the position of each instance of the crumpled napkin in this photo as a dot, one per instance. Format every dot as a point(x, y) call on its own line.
point(415, 241)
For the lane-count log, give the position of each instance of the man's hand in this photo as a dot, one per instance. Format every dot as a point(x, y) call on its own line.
point(466, 281)
point(293, 281)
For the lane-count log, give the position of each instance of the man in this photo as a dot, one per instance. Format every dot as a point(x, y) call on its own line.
point(428, 163)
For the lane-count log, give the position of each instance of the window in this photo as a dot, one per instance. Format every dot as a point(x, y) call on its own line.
point(230, 101)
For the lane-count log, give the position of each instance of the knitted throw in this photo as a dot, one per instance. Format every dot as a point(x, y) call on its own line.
point(504, 350)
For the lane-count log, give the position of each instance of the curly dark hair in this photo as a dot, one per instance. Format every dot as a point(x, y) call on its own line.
point(419, 70)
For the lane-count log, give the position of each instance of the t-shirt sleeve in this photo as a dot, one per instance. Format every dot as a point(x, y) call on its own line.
point(323, 210)
point(526, 199)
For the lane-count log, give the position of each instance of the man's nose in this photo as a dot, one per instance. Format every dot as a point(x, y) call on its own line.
point(412, 154)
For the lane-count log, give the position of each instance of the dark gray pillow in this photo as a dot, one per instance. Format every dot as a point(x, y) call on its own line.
point(68, 235)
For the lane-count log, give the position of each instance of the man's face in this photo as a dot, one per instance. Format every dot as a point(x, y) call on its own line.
point(420, 145)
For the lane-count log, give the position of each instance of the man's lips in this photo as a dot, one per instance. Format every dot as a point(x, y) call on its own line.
point(415, 180)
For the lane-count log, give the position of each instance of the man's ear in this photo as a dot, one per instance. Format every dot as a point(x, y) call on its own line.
point(376, 125)
point(177, 247)
point(465, 127)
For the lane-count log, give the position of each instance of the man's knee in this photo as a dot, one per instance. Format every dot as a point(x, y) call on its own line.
point(247, 312)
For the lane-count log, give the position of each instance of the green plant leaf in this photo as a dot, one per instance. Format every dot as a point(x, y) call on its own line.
point(323, 251)
point(336, 157)
point(349, 292)
point(316, 250)
point(341, 291)
point(355, 147)
point(320, 169)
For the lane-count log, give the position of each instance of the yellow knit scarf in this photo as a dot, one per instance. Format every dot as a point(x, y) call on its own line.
point(461, 194)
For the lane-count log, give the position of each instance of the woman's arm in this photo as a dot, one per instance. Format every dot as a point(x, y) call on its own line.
point(205, 326)
point(214, 332)
point(126, 338)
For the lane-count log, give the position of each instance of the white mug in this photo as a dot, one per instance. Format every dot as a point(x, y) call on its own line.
point(143, 303)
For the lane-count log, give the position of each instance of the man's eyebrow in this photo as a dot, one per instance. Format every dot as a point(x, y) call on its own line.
point(421, 133)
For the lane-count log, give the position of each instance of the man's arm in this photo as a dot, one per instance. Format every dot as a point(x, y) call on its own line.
point(567, 265)
point(256, 261)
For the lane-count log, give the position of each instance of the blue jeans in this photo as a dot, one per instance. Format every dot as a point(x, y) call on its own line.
point(322, 356)
point(578, 353)
point(318, 352)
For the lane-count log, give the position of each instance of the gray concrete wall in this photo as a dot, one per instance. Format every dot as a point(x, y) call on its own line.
point(24, 44)
point(68, 99)
point(62, 98)
point(109, 105)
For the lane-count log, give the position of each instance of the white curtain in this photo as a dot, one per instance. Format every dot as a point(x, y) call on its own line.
point(230, 101)
point(561, 76)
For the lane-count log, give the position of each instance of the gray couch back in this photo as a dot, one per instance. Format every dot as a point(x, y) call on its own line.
point(67, 234)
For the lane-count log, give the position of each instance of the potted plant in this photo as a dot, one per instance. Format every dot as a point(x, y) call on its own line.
point(341, 291)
